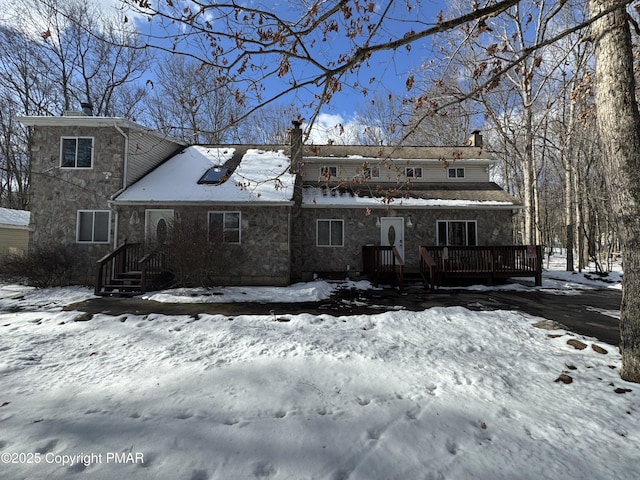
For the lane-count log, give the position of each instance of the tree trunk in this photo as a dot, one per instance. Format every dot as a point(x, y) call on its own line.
point(619, 130)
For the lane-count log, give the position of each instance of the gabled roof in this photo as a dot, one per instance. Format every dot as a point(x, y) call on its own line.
point(487, 195)
point(14, 218)
point(260, 177)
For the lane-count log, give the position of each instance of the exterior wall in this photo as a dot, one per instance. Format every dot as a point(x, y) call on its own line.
point(494, 227)
point(57, 194)
point(146, 151)
point(13, 240)
point(261, 258)
point(392, 172)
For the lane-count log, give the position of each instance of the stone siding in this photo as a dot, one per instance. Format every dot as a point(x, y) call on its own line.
point(65, 191)
point(494, 228)
point(262, 258)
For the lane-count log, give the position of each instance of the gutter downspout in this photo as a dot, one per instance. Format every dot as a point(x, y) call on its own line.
point(125, 172)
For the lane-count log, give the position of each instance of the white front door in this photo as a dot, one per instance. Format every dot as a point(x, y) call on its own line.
point(157, 225)
point(392, 233)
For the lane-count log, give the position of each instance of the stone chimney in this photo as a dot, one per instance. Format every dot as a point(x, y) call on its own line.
point(296, 147)
point(296, 161)
point(87, 109)
point(476, 139)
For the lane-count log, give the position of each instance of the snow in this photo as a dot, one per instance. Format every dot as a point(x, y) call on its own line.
point(445, 393)
point(14, 218)
point(261, 177)
point(320, 196)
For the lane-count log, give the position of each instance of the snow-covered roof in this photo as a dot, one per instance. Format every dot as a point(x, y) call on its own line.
point(14, 218)
point(462, 195)
point(262, 177)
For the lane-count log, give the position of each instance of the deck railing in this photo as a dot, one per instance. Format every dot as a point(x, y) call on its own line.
point(489, 262)
point(427, 268)
point(122, 260)
point(382, 263)
point(126, 263)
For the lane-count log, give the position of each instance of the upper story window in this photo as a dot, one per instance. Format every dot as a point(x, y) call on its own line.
point(456, 173)
point(328, 171)
point(76, 152)
point(413, 172)
point(371, 172)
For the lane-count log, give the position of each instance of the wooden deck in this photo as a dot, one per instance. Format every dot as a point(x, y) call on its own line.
point(442, 265)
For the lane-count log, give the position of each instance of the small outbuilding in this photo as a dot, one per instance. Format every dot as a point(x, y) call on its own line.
point(14, 231)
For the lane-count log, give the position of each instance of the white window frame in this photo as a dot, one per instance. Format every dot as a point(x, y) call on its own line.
point(371, 172)
point(332, 169)
point(456, 172)
point(330, 221)
point(413, 172)
point(466, 232)
point(224, 214)
point(93, 226)
point(75, 165)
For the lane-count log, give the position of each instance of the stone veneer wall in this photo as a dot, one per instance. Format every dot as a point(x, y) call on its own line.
point(57, 194)
point(494, 228)
point(262, 258)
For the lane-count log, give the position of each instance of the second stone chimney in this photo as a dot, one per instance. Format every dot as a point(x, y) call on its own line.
point(476, 139)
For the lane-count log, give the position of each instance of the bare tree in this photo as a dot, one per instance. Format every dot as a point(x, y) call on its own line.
point(191, 101)
point(619, 129)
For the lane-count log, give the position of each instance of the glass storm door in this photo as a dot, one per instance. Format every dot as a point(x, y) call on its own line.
point(392, 233)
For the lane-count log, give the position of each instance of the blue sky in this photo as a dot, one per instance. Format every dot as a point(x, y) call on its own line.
point(385, 72)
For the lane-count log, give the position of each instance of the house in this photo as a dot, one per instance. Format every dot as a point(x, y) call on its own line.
point(256, 214)
point(14, 232)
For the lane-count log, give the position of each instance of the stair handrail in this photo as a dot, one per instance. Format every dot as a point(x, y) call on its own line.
point(111, 264)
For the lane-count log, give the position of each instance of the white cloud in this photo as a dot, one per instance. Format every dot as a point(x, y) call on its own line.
point(334, 128)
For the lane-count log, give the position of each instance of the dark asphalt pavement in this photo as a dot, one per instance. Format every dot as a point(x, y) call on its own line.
point(583, 312)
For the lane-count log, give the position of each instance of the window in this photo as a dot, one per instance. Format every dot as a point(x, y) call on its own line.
point(457, 233)
point(330, 233)
point(456, 173)
point(371, 172)
point(328, 171)
point(224, 227)
point(76, 152)
point(215, 176)
point(93, 226)
point(413, 172)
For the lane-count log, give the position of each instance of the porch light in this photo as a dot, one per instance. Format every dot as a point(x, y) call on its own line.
point(378, 222)
point(409, 222)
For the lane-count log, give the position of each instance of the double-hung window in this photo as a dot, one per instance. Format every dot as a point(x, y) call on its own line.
point(76, 152)
point(328, 172)
point(224, 227)
point(413, 172)
point(93, 226)
point(457, 233)
point(330, 233)
point(456, 173)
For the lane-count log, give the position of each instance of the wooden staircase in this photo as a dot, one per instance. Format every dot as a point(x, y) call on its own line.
point(127, 271)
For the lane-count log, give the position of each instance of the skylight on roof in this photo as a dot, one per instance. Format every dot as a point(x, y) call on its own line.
point(215, 175)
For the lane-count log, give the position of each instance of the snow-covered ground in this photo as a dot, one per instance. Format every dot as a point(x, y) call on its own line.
point(446, 393)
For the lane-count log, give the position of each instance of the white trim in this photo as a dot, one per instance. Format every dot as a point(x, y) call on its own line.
point(329, 245)
point(224, 213)
point(93, 227)
point(466, 222)
point(76, 138)
point(165, 212)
